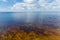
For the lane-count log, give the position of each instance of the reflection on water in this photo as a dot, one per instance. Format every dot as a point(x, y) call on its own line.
point(32, 17)
point(35, 16)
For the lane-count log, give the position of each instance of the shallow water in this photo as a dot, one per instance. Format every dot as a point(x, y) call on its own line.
point(29, 17)
point(27, 25)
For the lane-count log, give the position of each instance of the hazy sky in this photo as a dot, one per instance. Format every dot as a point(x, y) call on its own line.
point(29, 5)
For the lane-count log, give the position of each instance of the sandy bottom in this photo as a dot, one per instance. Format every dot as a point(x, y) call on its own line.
point(18, 32)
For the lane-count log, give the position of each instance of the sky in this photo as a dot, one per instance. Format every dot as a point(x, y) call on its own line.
point(29, 5)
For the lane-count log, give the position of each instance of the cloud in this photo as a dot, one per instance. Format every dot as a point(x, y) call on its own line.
point(4, 0)
point(5, 10)
point(18, 7)
point(2, 9)
point(7, 0)
point(34, 5)
point(30, 1)
point(27, 5)
point(54, 5)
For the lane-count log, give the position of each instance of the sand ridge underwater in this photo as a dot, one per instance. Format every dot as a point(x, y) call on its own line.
point(29, 26)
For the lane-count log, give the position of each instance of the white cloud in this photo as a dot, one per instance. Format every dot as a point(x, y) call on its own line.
point(30, 1)
point(2, 9)
point(28, 5)
point(4, 0)
point(34, 5)
point(55, 5)
point(18, 7)
point(31, 5)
